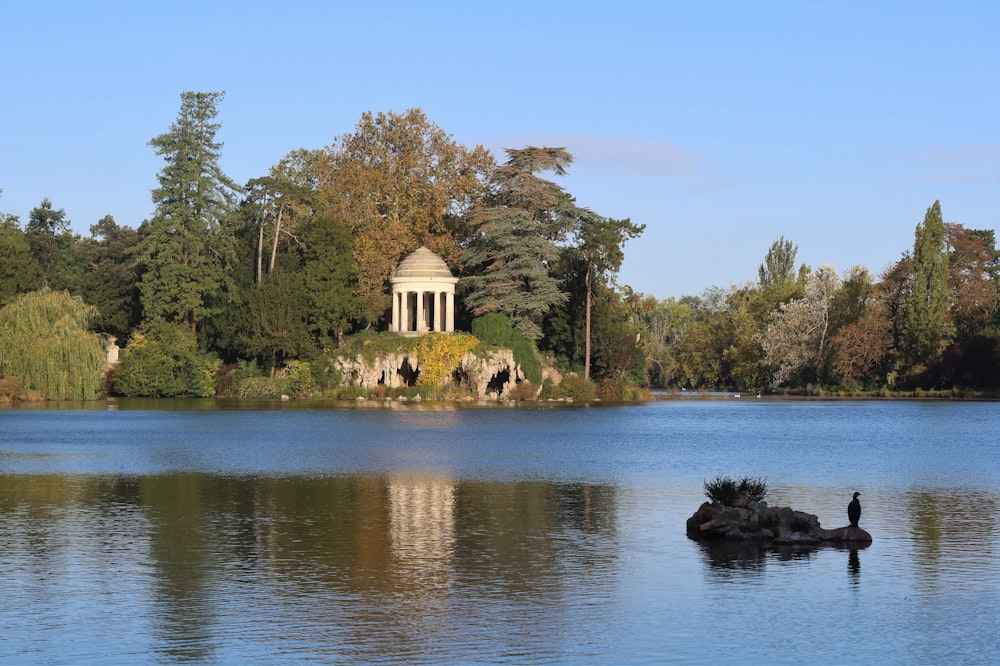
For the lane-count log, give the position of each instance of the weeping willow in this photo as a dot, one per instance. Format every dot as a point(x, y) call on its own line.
point(45, 341)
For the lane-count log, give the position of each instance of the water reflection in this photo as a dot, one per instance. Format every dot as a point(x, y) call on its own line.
point(854, 567)
point(354, 567)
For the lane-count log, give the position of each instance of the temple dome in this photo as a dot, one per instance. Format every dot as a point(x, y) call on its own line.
point(422, 263)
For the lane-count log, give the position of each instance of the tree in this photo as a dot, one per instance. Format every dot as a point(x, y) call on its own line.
point(46, 342)
point(861, 349)
point(276, 203)
point(398, 182)
point(797, 337)
point(971, 280)
point(187, 246)
point(277, 329)
point(928, 325)
point(330, 281)
point(18, 268)
point(778, 268)
point(110, 277)
point(53, 246)
point(600, 244)
point(515, 244)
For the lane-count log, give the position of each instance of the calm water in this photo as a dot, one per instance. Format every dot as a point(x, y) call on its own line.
point(216, 533)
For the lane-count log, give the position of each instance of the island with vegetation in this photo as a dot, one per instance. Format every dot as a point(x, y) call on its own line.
point(278, 288)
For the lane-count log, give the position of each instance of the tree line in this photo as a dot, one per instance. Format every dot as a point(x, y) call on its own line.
point(276, 273)
point(930, 320)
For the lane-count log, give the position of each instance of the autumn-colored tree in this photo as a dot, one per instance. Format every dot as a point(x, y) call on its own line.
point(971, 264)
point(861, 349)
point(398, 181)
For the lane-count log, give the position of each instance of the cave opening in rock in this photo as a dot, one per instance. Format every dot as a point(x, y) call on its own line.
point(498, 381)
point(407, 373)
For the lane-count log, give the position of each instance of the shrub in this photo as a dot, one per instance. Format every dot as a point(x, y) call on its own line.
point(11, 388)
point(439, 354)
point(728, 491)
point(522, 391)
point(619, 389)
point(165, 363)
point(572, 387)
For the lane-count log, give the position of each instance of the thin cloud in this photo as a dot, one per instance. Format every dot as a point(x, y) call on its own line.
point(964, 155)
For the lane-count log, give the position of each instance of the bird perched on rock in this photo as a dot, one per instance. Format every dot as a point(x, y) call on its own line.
point(854, 511)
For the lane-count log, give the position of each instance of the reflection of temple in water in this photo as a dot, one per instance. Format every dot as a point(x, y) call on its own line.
point(422, 531)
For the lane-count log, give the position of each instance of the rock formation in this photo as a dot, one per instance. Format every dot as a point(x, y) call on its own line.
point(493, 373)
point(758, 522)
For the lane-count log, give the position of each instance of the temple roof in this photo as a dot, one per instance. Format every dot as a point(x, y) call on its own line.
point(422, 263)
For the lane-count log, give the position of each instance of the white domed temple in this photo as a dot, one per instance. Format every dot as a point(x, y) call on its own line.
point(423, 295)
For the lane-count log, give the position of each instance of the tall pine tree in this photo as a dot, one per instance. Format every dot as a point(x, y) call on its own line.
point(187, 246)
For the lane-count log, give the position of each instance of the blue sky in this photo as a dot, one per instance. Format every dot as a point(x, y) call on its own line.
point(719, 125)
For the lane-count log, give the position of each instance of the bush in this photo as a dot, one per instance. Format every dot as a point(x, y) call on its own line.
point(729, 492)
point(522, 391)
point(619, 389)
point(11, 388)
point(165, 363)
point(572, 387)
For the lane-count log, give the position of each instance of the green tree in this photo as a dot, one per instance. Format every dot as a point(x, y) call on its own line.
point(515, 245)
point(110, 276)
point(778, 267)
point(928, 325)
point(330, 281)
point(276, 328)
point(600, 243)
point(53, 247)
point(46, 342)
point(18, 268)
point(187, 246)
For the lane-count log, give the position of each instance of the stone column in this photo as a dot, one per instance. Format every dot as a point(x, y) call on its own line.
point(395, 311)
point(404, 311)
point(420, 312)
point(449, 312)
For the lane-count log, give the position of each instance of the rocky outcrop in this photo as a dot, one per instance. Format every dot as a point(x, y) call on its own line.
point(392, 370)
point(496, 373)
point(488, 376)
point(767, 525)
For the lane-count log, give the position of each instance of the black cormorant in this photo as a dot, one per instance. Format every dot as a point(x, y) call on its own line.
point(854, 511)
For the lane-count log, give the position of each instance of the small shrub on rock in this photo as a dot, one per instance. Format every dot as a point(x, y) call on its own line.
point(730, 492)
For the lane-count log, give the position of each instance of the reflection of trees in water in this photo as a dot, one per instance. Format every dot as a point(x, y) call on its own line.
point(951, 528)
point(364, 566)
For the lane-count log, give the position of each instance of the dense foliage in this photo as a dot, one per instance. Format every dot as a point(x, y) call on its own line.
point(46, 345)
point(494, 329)
point(251, 290)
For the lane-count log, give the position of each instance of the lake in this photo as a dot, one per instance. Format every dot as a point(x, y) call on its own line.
point(218, 532)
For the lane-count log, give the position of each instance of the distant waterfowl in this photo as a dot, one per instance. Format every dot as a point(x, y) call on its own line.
point(854, 511)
